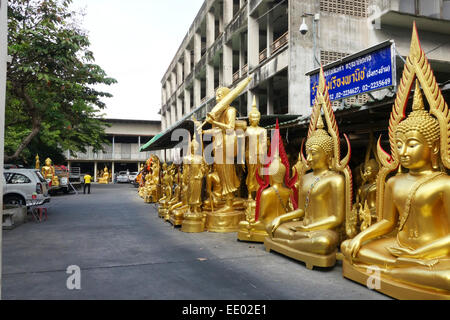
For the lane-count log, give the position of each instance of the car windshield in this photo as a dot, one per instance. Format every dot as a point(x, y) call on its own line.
point(122, 173)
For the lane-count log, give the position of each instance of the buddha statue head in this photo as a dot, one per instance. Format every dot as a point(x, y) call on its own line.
point(277, 170)
point(221, 93)
point(319, 147)
point(418, 137)
point(371, 169)
point(254, 116)
point(48, 162)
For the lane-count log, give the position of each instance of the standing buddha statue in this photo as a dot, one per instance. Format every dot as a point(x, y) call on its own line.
point(223, 121)
point(38, 163)
point(194, 221)
point(255, 150)
point(409, 245)
point(313, 233)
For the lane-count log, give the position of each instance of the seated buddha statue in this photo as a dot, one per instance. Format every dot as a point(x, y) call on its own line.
point(274, 202)
point(179, 209)
point(313, 233)
point(48, 171)
point(410, 244)
point(176, 194)
point(105, 177)
point(214, 199)
point(367, 195)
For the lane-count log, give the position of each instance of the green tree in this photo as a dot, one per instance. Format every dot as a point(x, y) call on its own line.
point(52, 102)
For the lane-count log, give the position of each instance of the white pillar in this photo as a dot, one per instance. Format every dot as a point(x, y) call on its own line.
point(241, 53)
point(197, 47)
point(3, 58)
point(197, 92)
point(210, 29)
point(179, 109)
point(187, 63)
point(180, 77)
point(253, 42)
point(227, 11)
point(209, 80)
point(113, 147)
point(95, 171)
point(269, 33)
point(270, 96)
point(227, 66)
point(187, 101)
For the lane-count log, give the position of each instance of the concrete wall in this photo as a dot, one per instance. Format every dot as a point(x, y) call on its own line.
point(133, 128)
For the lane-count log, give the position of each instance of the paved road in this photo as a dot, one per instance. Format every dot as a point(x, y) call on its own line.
point(126, 252)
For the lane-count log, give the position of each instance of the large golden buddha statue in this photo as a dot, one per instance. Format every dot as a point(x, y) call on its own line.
point(105, 178)
point(48, 171)
point(194, 221)
point(224, 123)
point(273, 199)
point(313, 233)
point(409, 247)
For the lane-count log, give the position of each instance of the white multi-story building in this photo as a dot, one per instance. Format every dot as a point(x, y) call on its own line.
point(233, 39)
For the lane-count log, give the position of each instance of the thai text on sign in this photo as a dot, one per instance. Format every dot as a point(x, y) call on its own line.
point(372, 71)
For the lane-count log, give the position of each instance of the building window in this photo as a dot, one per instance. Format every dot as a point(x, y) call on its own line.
point(356, 8)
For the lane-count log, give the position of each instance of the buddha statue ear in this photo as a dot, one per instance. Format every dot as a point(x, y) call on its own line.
point(435, 155)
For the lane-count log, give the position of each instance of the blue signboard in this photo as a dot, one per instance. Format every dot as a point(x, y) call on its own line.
point(372, 71)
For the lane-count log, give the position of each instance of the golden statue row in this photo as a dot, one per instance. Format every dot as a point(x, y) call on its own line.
point(399, 226)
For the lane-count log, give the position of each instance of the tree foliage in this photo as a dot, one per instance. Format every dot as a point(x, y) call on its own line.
point(52, 103)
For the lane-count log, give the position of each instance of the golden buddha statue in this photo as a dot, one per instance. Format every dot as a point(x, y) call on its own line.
point(179, 209)
point(409, 245)
point(313, 233)
point(214, 199)
point(194, 221)
point(105, 178)
point(274, 198)
point(176, 193)
point(38, 163)
point(167, 185)
point(255, 149)
point(223, 121)
point(367, 193)
point(48, 171)
point(153, 189)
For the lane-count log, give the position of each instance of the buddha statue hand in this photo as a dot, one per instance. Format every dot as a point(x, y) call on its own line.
point(274, 225)
point(354, 245)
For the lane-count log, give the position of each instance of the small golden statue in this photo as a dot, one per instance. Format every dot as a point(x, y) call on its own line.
point(255, 149)
point(179, 209)
point(153, 189)
point(324, 195)
point(48, 171)
point(274, 198)
point(105, 178)
point(194, 221)
point(214, 199)
point(409, 245)
point(38, 163)
point(167, 186)
point(366, 194)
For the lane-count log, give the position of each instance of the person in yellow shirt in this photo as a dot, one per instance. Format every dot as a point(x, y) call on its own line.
point(87, 183)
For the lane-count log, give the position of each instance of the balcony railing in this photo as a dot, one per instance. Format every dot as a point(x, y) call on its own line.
point(280, 42)
point(263, 55)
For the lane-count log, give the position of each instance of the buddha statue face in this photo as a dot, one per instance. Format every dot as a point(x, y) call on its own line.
point(418, 137)
point(371, 169)
point(317, 158)
point(48, 162)
point(413, 150)
point(221, 93)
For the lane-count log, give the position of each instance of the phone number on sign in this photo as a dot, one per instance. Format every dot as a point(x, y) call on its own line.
point(377, 84)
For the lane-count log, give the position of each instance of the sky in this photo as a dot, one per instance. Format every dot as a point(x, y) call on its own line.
point(134, 41)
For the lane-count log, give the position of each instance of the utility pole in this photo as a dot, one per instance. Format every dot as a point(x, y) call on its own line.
point(3, 59)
